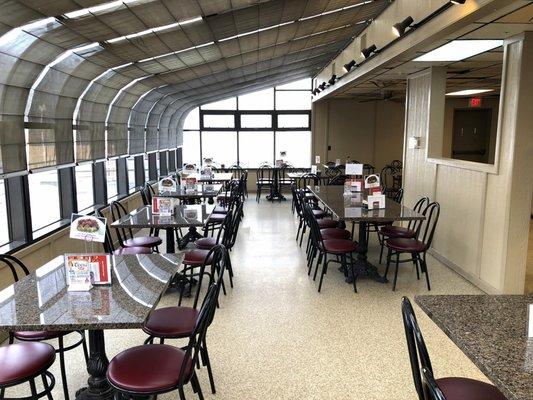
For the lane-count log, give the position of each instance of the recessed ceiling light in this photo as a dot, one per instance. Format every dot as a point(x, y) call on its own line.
point(469, 92)
point(460, 50)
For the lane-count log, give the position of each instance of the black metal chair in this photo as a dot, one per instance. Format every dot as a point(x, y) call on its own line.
point(417, 246)
point(15, 264)
point(178, 322)
point(153, 369)
point(125, 235)
point(452, 388)
point(265, 179)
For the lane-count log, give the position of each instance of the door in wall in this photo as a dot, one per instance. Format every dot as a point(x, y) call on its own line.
point(471, 134)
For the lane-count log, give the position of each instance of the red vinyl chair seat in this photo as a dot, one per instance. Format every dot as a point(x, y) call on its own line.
point(143, 241)
point(394, 231)
point(216, 218)
point(335, 233)
point(38, 335)
point(171, 322)
point(468, 389)
point(339, 246)
point(206, 243)
point(197, 257)
point(22, 361)
point(220, 209)
point(148, 369)
point(319, 214)
point(327, 223)
point(406, 245)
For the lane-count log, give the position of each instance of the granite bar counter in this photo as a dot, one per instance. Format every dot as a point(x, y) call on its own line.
point(493, 332)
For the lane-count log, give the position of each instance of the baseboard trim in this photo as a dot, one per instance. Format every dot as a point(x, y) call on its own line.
point(468, 276)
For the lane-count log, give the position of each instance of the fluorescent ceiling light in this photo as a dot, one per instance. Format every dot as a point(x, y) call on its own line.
point(96, 9)
point(458, 50)
point(335, 10)
point(469, 92)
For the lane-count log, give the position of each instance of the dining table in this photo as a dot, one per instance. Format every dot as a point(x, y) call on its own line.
point(192, 195)
point(41, 301)
point(349, 207)
point(494, 331)
point(219, 177)
point(191, 216)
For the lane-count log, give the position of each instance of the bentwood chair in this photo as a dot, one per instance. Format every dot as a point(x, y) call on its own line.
point(427, 388)
point(342, 248)
point(17, 267)
point(376, 226)
point(109, 247)
point(149, 370)
point(393, 231)
point(23, 363)
point(265, 179)
point(417, 246)
point(178, 322)
point(125, 235)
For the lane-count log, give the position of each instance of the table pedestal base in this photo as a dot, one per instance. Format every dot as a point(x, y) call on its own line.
point(98, 387)
point(189, 237)
point(363, 267)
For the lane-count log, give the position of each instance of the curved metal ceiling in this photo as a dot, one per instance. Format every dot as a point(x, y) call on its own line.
point(101, 67)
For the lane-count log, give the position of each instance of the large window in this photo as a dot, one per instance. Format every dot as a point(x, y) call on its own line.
point(111, 177)
point(131, 172)
point(44, 199)
point(84, 186)
point(247, 129)
point(4, 232)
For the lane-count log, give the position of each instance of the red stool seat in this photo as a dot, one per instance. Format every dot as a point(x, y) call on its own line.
point(148, 369)
point(339, 246)
point(468, 389)
point(197, 257)
point(216, 218)
point(143, 241)
point(206, 243)
point(394, 231)
point(21, 361)
point(335, 233)
point(410, 245)
point(171, 322)
point(132, 250)
point(327, 223)
point(38, 335)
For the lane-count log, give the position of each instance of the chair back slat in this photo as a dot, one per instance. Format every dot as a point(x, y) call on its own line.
point(14, 264)
point(109, 248)
point(418, 354)
point(431, 386)
point(428, 226)
point(118, 211)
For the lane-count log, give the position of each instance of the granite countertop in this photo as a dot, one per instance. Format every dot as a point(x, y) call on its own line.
point(195, 215)
point(350, 208)
point(493, 332)
point(41, 300)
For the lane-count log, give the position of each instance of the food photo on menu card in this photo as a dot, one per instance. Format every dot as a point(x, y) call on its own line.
point(88, 228)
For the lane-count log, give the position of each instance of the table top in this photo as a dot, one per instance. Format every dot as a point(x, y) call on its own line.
point(202, 190)
point(350, 208)
point(41, 300)
point(492, 332)
point(217, 177)
point(184, 216)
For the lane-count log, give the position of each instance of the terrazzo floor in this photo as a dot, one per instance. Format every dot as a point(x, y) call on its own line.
point(275, 337)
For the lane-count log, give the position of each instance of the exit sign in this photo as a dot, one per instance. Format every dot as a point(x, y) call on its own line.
point(474, 102)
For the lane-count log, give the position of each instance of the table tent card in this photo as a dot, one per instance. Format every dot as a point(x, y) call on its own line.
point(376, 201)
point(207, 172)
point(88, 228)
point(337, 162)
point(86, 270)
point(167, 185)
point(314, 169)
point(162, 205)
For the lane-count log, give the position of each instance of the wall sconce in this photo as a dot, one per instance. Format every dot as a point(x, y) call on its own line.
point(413, 142)
point(400, 27)
point(347, 67)
point(368, 51)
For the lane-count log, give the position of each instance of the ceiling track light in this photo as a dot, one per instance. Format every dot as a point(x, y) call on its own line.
point(458, 1)
point(367, 52)
point(333, 79)
point(399, 28)
point(348, 67)
point(322, 85)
